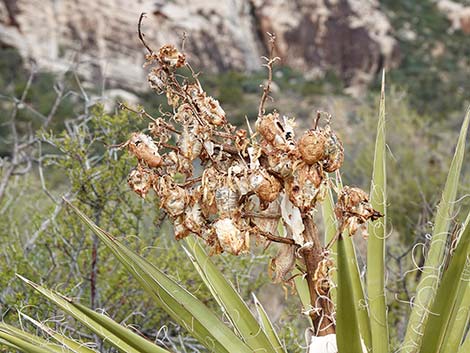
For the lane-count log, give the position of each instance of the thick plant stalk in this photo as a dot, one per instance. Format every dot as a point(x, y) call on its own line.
point(312, 255)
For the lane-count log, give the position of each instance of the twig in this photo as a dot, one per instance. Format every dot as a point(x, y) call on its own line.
point(270, 62)
point(261, 215)
point(274, 238)
point(141, 35)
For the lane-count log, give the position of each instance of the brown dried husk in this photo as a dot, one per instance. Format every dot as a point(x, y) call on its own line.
point(312, 146)
point(303, 188)
point(140, 180)
point(268, 187)
point(353, 208)
point(230, 237)
point(268, 126)
point(283, 263)
point(334, 152)
point(170, 56)
point(143, 147)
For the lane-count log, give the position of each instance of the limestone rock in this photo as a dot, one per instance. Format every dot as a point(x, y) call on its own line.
point(457, 14)
point(350, 37)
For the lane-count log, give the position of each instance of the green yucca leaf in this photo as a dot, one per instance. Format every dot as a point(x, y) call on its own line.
point(461, 311)
point(181, 305)
point(446, 297)
point(360, 303)
point(301, 286)
point(229, 300)
point(62, 339)
point(268, 326)
point(22, 345)
point(465, 347)
point(331, 226)
point(11, 345)
point(352, 268)
point(329, 218)
point(139, 343)
point(71, 308)
point(376, 242)
point(431, 271)
point(460, 315)
point(348, 336)
point(27, 342)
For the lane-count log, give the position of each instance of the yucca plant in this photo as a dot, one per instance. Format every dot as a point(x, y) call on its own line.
point(289, 179)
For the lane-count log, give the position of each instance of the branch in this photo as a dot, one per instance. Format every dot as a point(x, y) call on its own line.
point(274, 238)
point(141, 35)
point(270, 62)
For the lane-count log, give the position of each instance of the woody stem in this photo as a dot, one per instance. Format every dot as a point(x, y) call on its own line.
point(322, 309)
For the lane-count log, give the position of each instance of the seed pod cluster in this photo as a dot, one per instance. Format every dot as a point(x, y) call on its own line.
point(223, 184)
point(354, 209)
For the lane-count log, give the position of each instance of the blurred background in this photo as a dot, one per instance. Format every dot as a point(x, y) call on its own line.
point(65, 65)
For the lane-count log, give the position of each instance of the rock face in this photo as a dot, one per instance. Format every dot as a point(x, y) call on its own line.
point(350, 37)
point(458, 15)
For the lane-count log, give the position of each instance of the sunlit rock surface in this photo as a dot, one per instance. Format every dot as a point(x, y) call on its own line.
point(349, 37)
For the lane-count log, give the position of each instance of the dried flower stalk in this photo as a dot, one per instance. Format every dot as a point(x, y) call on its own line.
point(247, 186)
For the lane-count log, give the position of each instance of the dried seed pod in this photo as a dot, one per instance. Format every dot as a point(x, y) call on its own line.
point(266, 186)
point(209, 185)
point(211, 110)
point(210, 236)
point(334, 152)
point(283, 263)
point(173, 198)
point(281, 164)
point(226, 200)
point(140, 180)
point(180, 229)
point(312, 146)
point(193, 218)
point(266, 220)
point(159, 130)
point(173, 99)
point(321, 277)
point(230, 237)
point(171, 57)
point(143, 147)
point(353, 208)
point(269, 127)
point(188, 144)
point(184, 114)
point(156, 80)
point(303, 187)
point(193, 90)
point(241, 141)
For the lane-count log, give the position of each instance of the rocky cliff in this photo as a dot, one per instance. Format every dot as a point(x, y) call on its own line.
point(350, 37)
